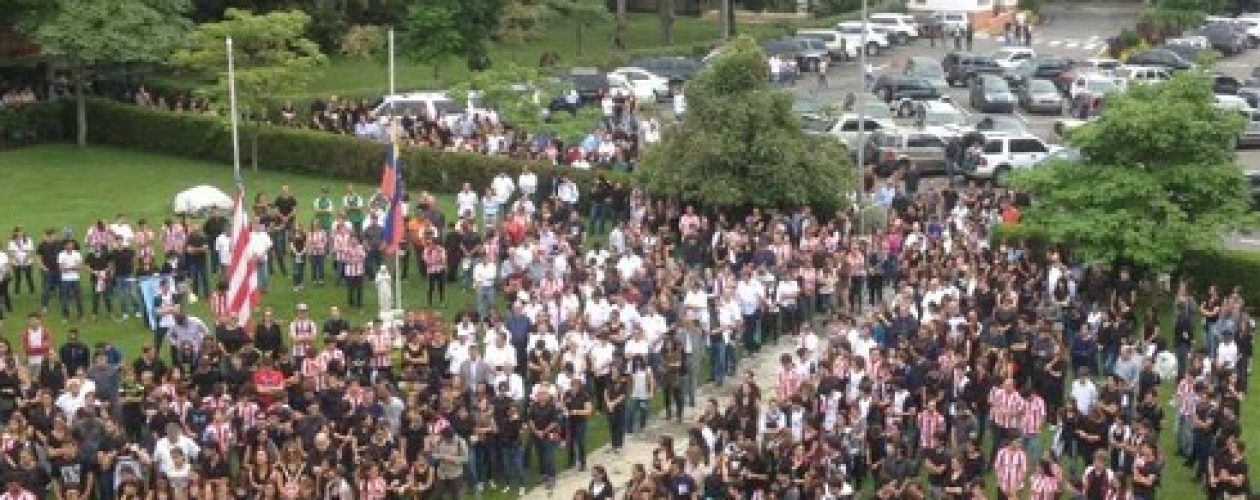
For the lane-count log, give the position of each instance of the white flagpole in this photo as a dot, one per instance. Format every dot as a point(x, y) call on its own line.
point(236, 145)
point(398, 255)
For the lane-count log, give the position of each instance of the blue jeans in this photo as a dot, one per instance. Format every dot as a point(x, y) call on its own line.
point(546, 458)
point(71, 290)
point(52, 285)
point(599, 214)
point(577, 442)
point(485, 300)
point(717, 362)
point(638, 409)
point(317, 268)
point(513, 470)
point(128, 296)
point(477, 470)
point(200, 277)
point(264, 276)
point(1185, 435)
point(279, 248)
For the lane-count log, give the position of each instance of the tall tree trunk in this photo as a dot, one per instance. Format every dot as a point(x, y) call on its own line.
point(619, 39)
point(80, 104)
point(579, 39)
point(665, 8)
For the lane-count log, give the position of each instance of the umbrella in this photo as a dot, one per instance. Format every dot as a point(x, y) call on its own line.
point(198, 200)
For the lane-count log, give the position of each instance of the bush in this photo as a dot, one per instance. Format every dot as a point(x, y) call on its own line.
point(208, 137)
point(39, 122)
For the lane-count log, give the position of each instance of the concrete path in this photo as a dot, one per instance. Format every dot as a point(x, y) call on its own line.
point(638, 448)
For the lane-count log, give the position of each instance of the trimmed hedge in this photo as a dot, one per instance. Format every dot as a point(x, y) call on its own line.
point(1224, 268)
point(208, 137)
point(34, 123)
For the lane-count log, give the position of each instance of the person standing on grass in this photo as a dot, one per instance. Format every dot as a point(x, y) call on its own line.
point(352, 205)
point(197, 261)
point(355, 268)
point(317, 251)
point(272, 222)
point(100, 269)
point(298, 248)
point(49, 249)
point(69, 265)
point(324, 209)
point(215, 225)
point(6, 274)
point(435, 267)
point(1011, 466)
point(21, 252)
point(261, 242)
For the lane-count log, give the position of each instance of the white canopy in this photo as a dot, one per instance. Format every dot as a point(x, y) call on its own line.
point(198, 200)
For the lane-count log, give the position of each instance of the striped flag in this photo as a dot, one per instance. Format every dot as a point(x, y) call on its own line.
point(392, 187)
point(243, 269)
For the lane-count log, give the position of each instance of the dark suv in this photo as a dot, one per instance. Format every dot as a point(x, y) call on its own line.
point(961, 68)
point(901, 92)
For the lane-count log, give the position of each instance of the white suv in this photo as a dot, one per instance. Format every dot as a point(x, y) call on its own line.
point(1003, 153)
point(903, 25)
point(852, 33)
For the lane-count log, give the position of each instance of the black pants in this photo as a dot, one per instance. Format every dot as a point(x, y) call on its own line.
point(18, 273)
point(97, 298)
point(354, 291)
point(875, 289)
point(673, 400)
point(6, 303)
point(437, 281)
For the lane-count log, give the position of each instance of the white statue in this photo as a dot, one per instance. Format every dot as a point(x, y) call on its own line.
point(384, 291)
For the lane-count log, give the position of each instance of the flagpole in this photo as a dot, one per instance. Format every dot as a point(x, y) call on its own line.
point(236, 145)
point(398, 253)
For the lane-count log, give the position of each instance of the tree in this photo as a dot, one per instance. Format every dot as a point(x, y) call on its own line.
point(619, 36)
point(271, 56)
point(741, 145)
point(85, 34)
point(522, 22)
point(1158, 179)
point(433, 30)
point(515, 92)
point(581, 13)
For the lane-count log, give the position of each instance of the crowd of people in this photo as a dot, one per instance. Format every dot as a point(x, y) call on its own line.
point(914, 344)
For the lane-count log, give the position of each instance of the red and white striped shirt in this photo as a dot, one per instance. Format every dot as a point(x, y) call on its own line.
point(302, 336)
point(181, 407)
point(219, 434)
point(931, 423)
point(1005, 405)
point(173, 238)
point(789, 383)
point(214, 405)
point(356, 396)
point(434, 258)
point(341, 245)
point(372, 489)
point(317, 242)
point(97, 237)
point(1011, 466)
point(314, 368)
point(382, 348)
point(22, 494)
point(1046, 486)
point(327, 356)
point(249, 413)
point(144, 242)
point(1187, 399)
point(1033, 420)
point(355, 259)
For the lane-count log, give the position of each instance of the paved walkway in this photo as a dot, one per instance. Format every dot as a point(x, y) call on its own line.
point(638, 447)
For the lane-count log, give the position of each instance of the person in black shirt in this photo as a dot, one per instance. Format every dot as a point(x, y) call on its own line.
point(615, 404)
point(544, 426)
point(214, 225)
point(74, 353)
point(123, 260)
point(100, 265)
point(509, 441)
point(335, 327)
point(578, 410)
point(48, 250)
point(230, 334)
point(267, 337)
point(197, 252)
point(71, 472)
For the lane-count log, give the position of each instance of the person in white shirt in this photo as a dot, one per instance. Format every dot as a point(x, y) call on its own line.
point(567, 192)
point(1084, 392)
point(503, 188)
point(510, 383)
point(260, 247)
point(6, 274)
point(752, 295)
point(72, 399)
point(174, 438)
point(1227, 352)
point(466, 202)
point(484, 276)
point(70, 264)
point(121, 228)
point(21, 250)
point(500, 353)
point(528, 183)
point(223, 247)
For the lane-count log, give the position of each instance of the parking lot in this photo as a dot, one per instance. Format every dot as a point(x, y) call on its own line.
point(1079, 33)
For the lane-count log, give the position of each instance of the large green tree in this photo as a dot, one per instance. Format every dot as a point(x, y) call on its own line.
point(1158, 179)
point(740, 144)
point(434, 30)
point(88, 34)
point(582, 14)
point(272, 58)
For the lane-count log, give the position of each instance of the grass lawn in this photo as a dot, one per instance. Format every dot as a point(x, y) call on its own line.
point(61, 185)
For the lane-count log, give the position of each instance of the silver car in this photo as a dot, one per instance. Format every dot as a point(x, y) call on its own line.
point(1041, 96)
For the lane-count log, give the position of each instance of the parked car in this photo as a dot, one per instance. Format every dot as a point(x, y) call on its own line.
point(952, 21)
point(1041, 67)
point(589, 83)
point(813, 52)
point(1003, 153)
point(1226, 36)
point(845, 127)
point(1161, 57)
point(1193, 53)
point(1129, 75)
point(1250, 136)
point(962, 68)
point(1005, 124)
point(852, 33)
point(941, 119)
point(1250, 23)
point(990, 93)
point(1093, 84)
point(677, 69)
point(439, 105)
point(891, 148)
point(928, 69)
point(901, 92)
point(1010, 57)
point(1225, 84)
point(1041, 96)
point(837, 46)
point(903, 25)
point(639, 82)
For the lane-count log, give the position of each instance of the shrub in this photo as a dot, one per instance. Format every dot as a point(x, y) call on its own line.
point(363, 41)
point(29, 124)
point(208, 137)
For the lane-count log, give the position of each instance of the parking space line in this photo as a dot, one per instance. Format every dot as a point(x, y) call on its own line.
point(1054, 43)
point(1071, 45)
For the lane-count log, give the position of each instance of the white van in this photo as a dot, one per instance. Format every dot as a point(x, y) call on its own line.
point(429, 104)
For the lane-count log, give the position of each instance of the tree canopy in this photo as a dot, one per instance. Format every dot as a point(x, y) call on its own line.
point(272, 57)
point(741, 145)
point(86, 33)
point(1158, 179)
point(433, 30)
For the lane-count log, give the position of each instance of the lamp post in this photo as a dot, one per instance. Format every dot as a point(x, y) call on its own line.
point(860, 102)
